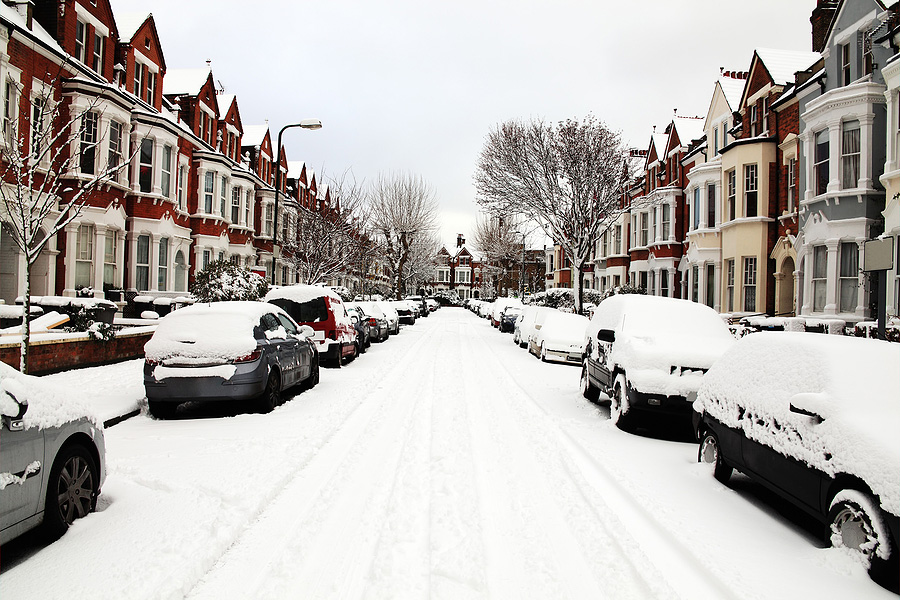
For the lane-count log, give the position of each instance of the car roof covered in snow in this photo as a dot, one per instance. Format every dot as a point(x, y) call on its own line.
point(302, 293)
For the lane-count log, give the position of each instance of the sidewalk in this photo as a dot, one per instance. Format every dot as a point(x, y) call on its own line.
point(116, 390)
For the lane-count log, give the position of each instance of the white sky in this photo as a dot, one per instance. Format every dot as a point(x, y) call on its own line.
point(415, 86)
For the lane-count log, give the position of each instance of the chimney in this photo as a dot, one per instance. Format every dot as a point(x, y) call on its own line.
point(460, 240)
point(821, 18)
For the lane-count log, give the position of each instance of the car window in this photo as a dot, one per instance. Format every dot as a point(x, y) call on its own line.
point(287, 324)
point(269, 322)
point(311, 311)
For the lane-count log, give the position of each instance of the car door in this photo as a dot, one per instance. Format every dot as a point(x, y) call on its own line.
point(280, 348)
point(21, 465)
point(298, 349)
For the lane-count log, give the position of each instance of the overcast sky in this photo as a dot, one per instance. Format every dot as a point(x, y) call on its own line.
point(415, 85)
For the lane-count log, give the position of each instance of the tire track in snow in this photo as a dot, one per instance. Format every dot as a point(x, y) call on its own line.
point(250, 567)
point(652, 549)
point(560, 551)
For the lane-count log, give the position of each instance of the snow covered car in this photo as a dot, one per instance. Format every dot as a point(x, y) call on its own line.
point(649, 354)
point(419, 304)
point(509, 318)
point(390, 313)
point(322, 309)
point(561, 338)
point(361, 325)
point(46, 426)
point(532, 316)
point(815, 418)
point(377, 319)
point(405, 311)
point(227, 351)
point(499, 307)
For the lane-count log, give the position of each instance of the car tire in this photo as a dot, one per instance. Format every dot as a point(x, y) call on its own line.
point(588, 390)
point(361, 348)
point(856, 524)
point(71, 489)
point(313, 378)
point(710, 452)
point(271, 396)
point(620, 411)
point(162, 410)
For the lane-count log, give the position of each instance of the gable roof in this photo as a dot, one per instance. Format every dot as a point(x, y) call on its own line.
point(733, 90)
point(185, 81)
point(254, 135)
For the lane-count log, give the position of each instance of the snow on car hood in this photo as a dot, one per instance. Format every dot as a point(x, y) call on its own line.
point(563, 331)
point(852, 383)
point(218, 331)
point(49, 405)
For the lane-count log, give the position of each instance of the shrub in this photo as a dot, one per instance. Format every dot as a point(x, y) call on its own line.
point(222, 280)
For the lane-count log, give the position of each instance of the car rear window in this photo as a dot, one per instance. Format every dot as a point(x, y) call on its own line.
point(311, 311)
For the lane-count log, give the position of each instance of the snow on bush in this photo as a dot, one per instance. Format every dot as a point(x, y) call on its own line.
point(202, 333)
point(223, 280)
point(48, 405)
point(852, 383)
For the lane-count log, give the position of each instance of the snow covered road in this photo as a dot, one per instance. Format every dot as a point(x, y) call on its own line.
point(444, 463)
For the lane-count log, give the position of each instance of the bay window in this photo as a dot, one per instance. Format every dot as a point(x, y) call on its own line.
point(166, 172)
point(145, 166)
point(142, 263)
point(850, 155)
point(163, 269)
point(209, 185)
point(84, 256)
point(819, 277)
point(820, 166)
point(849, 276)
point(88, 149)
point(751, 192)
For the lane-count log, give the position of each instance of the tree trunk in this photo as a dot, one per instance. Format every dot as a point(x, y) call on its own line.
point(579, 293)
point(26, 323)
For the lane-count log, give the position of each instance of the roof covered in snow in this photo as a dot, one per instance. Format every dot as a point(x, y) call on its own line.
point(783, 64)
point(733, 89)
point(254, 135)
point(129, 23)
point(184, 81)
point(689, 129)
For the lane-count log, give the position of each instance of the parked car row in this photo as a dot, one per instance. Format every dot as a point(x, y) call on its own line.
point(812, 417)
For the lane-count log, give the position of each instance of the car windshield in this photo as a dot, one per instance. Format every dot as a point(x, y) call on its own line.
point(311, 311)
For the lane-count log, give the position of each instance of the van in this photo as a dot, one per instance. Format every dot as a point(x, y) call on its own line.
point(323, 310)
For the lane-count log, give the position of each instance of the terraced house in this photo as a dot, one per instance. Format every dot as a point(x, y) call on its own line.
point(183, 181)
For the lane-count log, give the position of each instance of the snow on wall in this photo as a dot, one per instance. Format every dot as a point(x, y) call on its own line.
point(851, 382)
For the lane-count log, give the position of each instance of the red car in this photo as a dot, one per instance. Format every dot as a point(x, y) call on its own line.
point(323, 310)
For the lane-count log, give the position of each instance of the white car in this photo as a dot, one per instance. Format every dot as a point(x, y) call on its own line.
point(52, 456)
point(649, 353)
point(561, 338)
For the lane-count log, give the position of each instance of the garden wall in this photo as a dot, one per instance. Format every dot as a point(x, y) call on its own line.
point(70, 352)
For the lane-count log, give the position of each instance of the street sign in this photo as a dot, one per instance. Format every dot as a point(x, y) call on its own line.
point(879, 255)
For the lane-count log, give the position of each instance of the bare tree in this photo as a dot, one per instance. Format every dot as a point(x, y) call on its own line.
point(402, 210)
point(419, 269)
point(567, 178)
point(499, 240)
point(40, 194)
point(325, 242)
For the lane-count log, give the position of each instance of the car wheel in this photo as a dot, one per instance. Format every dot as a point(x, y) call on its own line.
point(711, 454)
point(271, 397)
point(619, 408)
point(162, 410)
point(313, 378)
point(71, 489)
point(361, 348)
point(856, 524)
point(588, 390)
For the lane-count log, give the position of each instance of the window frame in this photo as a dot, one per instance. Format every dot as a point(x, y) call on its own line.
point(142, 262)
point(850, 157)
point(751, 190)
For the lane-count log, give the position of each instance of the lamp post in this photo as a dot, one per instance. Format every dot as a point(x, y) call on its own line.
point(304, 124)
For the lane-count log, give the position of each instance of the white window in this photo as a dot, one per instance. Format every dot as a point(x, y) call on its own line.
point(849, 154)
point(849, 276)
point(10, 107)
point(182, 177)
point(845, 65)
point(39, 110)
point(617, 244)
point(145, 166)
point(223, 192)
point(792, 185)
point(644, 229)
point(749, 284)
point(151, 87)
point(97, 57)
point(110, 252)
point(235, 205)
point(88, 149)
point(664, 282)
point(696, 208)
point(729, 285)
point(138, 80)
point(711, 205)
point(731, 196)
point(666, 220)
point(166, 172)
point(751, 192)
point(207, 258)
point(819, 278)
point(209, 191)
point(84, 257)
point(81, 41)
point(114, 157)
point(754, 124)
point(248, 202)
point(269, 224)
point(142, 263)
point(163, 275)
point(821, 162)
point(711, 285)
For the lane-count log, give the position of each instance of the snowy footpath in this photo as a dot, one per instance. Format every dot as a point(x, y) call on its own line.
point(444, 463)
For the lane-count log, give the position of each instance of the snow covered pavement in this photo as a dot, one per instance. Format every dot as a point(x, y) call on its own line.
point(444, 463)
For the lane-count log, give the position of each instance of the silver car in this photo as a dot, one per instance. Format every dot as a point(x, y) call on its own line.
point(52, 457)
point(227, 351)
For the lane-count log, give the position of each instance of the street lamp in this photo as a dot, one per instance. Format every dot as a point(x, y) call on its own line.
point(304, 124)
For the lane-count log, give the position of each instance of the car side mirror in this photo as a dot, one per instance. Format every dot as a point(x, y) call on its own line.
point(606, 335)
point(811, 405)
point(11, 408)
point(354, 320)
point(306, 330)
